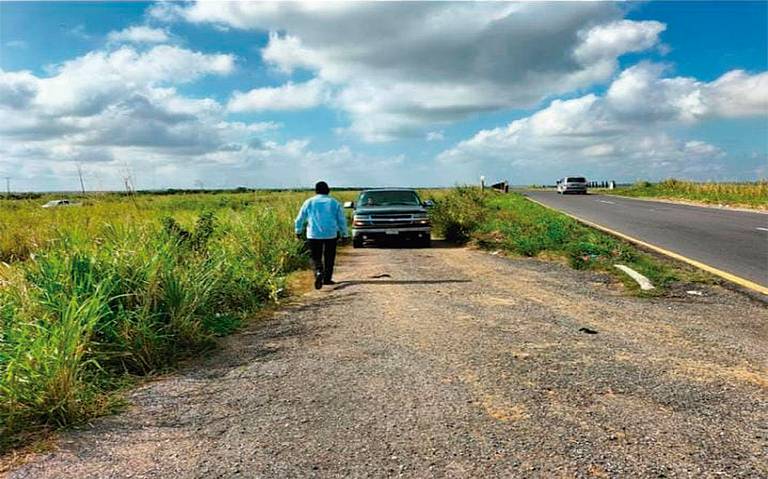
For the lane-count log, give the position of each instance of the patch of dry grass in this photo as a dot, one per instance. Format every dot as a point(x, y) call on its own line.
point(745, 194)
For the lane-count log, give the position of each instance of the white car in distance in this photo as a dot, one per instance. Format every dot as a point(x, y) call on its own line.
point(58, 203)
point(572, 184)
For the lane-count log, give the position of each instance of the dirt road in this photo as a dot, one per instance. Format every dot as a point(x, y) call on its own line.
point(455, 363)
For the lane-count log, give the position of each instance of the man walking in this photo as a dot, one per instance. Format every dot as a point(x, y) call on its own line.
point(324, 219)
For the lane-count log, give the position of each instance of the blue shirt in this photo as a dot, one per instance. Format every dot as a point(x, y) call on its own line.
point(323, 216)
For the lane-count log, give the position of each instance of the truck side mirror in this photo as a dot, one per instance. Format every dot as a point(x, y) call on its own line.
point(349, 204)
point(428, 204)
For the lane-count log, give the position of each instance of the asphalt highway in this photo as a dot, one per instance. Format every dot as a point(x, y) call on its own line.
point(732, 241)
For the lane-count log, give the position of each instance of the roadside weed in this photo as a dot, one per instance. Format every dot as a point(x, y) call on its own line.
point(95, 294)
point(749, 194)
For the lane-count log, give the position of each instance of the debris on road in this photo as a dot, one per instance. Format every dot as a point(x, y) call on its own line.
point(587, 331)
point(645, 283)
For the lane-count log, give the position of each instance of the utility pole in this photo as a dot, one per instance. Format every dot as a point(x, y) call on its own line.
point(80, 175)
point(8, 186)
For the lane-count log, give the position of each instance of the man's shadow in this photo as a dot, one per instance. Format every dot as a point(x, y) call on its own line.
point(346, 284)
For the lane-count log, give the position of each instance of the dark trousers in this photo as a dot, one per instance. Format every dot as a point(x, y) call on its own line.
point(323, 254)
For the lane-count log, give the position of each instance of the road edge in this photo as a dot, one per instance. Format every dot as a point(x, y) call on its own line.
point(744, 283)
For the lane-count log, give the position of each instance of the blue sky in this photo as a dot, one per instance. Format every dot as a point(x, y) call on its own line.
point(369, 94)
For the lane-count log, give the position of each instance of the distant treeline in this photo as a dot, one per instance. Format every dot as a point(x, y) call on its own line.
point(174, 191)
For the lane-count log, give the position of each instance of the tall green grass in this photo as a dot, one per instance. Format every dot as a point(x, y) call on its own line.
point(459, 213)
point(511, 223)
point(750, 194)
point(94, 294)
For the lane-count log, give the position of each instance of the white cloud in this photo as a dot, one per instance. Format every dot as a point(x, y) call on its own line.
point(435, 136)
point(17, 89)
point(623, 133)
point(640, 94)
point(290, 96)
point(118, 113)
point(738, 93)
point(287, 53)
point(139, 34)
point(87, 84)
point(110, 107)
point(613, 39)
point(401, 67)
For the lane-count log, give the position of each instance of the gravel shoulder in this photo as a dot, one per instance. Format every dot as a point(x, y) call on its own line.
point(449, 362)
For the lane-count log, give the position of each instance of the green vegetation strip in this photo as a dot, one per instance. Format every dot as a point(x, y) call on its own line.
point(511, 223)
point(95, 295)
point(747, 194)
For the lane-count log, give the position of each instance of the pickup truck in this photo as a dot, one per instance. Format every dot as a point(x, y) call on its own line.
point(390, 214)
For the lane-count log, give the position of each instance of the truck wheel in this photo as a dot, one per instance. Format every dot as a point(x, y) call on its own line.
point(357, 242)
point(425, 242)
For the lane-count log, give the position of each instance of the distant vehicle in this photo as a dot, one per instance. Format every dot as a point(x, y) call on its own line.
point(57, 203)
point(572, 184)
point(390, 213)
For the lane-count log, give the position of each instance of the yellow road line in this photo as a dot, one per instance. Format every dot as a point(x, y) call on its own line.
point(711, 269)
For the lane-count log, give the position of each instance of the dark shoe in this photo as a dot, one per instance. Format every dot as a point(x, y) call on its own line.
point(318, 280)
point(329, 282)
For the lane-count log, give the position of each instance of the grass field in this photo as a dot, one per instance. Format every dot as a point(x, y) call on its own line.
point(511, 223)
point(748, 194)
point(94, 295)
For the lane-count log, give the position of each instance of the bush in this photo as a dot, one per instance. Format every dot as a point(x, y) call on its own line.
point(458, 214)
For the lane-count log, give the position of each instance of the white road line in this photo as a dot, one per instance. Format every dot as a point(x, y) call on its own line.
point(762, 229)
point(609, 202)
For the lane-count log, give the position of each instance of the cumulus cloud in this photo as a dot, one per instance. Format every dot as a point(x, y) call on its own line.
point(17, 89)
point(118, 113)
point(738, 93)
point(110, 107)
point(401, 67)
point(139, 34)
point(614, 39)
point(88, 84)
point(623, 132)
point(641, 94)
point(290, 96)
